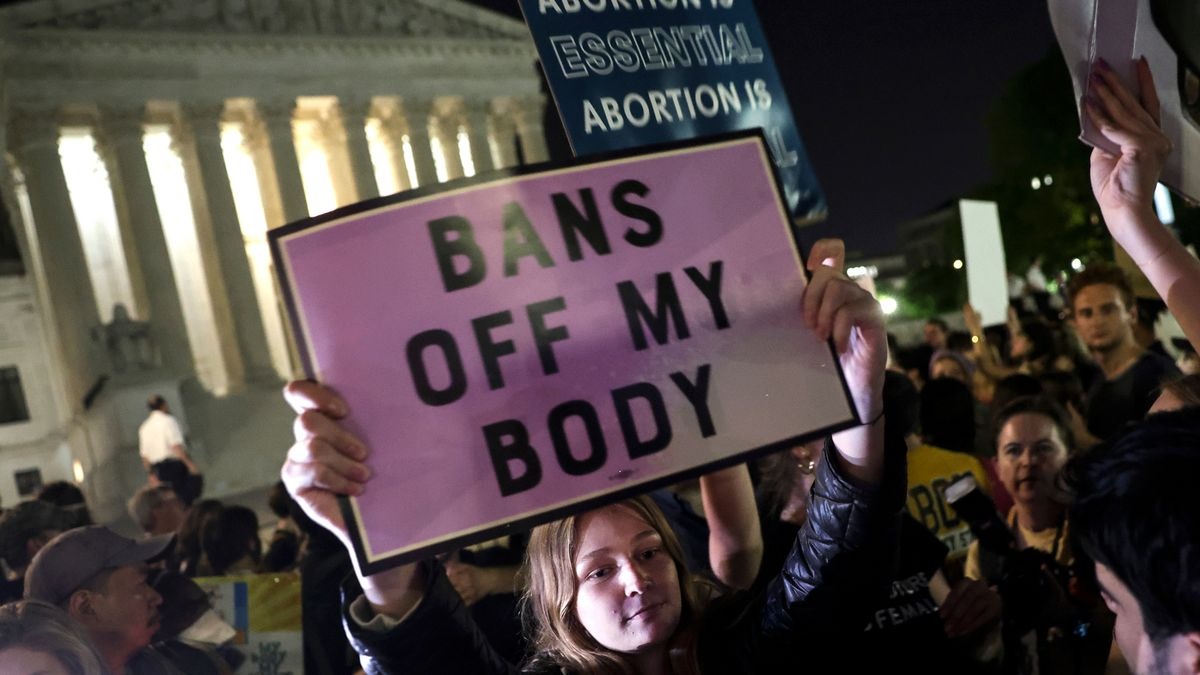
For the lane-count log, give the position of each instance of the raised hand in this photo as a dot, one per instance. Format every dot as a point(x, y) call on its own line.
point(1126, 182)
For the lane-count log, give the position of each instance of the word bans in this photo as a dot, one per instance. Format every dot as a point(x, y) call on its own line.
point(461, 260)
point(508, 441)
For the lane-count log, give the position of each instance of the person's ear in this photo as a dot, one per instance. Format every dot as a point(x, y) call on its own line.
point(80, 605)
point(1191, 642)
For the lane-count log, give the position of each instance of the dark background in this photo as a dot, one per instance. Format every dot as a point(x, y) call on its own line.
point(891, 98)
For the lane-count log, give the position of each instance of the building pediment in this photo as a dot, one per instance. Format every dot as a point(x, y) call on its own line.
point(344, 18)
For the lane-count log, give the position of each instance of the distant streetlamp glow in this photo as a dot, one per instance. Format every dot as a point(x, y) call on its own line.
point(1035, 183)
point(1048, 180)
point(888, 304)
point(1076, 264)
point(958, 264)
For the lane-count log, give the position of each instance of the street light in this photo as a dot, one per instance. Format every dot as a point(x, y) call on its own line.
point(888, 304)
point(958, 264)
point(1035, 183)
point(1076, 264)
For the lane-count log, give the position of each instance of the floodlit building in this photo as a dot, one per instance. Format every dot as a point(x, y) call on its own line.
point(148, 147)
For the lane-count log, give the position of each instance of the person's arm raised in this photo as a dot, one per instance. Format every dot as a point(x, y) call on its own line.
point(326, 462)
point(735, 545)
point(1124, 187)
point(835, 307)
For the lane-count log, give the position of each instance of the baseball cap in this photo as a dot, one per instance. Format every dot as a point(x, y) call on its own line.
point(74, 557)
point(25, 521)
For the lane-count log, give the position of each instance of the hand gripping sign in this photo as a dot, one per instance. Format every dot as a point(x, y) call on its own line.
point(519, 348)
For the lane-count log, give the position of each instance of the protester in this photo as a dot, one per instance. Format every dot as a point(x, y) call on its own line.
point(1136, 513)
point(157, 510)
point(1101, 301)
point(1124, 187)
point(189, 550)
point(37, 638)
point(935, 334)
point(607, 587)
point(947, 416)
point(100, 579)
point(922, 624)
point(1053, 622)
point(24, 530)
point(69, 498)
point(283, 550)
point(230, 541)
point(164, 453)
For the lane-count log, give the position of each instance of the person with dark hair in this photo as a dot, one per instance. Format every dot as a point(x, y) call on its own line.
point(947, 416)
point(935, 333)
point(164, 452)
point(1136, 513)
point(189, 550)
point(283, 550)
point(24, 530)
point(1052, 624)
point(68, 497)
point(230, 541)
point(1103, 313)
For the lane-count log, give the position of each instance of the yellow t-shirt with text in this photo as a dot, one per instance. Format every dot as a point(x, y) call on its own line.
point(930, 471)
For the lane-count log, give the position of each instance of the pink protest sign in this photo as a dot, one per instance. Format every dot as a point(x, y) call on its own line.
point(523, 346)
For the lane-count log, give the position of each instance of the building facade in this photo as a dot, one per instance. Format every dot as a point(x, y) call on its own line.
point(148, 147)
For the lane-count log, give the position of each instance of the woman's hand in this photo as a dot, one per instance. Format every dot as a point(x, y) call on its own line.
point(1125, 183)
point(836, 307)
point(326, 462)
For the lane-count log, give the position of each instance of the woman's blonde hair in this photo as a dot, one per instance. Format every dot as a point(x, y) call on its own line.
point(548, 607)
point(42, 627)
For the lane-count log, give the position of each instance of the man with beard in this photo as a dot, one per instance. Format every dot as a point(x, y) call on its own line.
point(100, 579)
point(1103, 314)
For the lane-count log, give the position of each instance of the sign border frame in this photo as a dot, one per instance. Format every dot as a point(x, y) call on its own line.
point(355, 527)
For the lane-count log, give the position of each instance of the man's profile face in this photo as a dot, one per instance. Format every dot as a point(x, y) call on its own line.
point(124, 611)
point(1175, 655)
point(934, 336)
point(1101, 317)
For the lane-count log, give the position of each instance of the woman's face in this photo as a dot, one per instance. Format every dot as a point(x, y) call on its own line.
point(1030, 452)
point(22, 661)
point(627, 594)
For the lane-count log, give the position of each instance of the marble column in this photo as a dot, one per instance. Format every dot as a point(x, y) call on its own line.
point(505, 133)
point(229, 243)
point(529, 111)
point(446, 124)
point(123, 132)
point(33, 140)
point(418, 111)
point(355, 113)
point(277, 116)
point(478, 114)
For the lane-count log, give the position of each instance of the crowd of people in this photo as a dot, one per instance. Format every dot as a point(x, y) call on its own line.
point(1017, 499)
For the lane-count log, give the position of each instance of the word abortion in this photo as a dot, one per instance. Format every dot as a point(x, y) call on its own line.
point(666, 106)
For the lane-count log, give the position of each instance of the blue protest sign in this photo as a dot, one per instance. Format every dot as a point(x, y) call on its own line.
point(628, 73)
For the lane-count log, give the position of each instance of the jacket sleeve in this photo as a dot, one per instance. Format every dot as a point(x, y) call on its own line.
point(438, 636)
point(842, 559)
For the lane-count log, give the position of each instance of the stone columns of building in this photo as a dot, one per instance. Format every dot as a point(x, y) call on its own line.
point(225, 238)
point(418, 111)
point(122, 131)
point(33, 139)
point(446, 122)
point(355, 113)
point(504, 130)
point(277, 116)
point(529, 111)
point(478, 122)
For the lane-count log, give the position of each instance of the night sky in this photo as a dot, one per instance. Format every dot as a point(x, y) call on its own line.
point(890, 97)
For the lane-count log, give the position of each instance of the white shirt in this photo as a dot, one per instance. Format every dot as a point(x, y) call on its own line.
point(157, 434)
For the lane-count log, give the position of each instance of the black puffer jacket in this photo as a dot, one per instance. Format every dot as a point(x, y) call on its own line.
point(837, 568)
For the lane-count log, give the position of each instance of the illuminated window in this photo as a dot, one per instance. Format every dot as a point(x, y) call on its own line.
point(439, 159)
point(12, 397)
point(464, 152)
point(410, 161)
